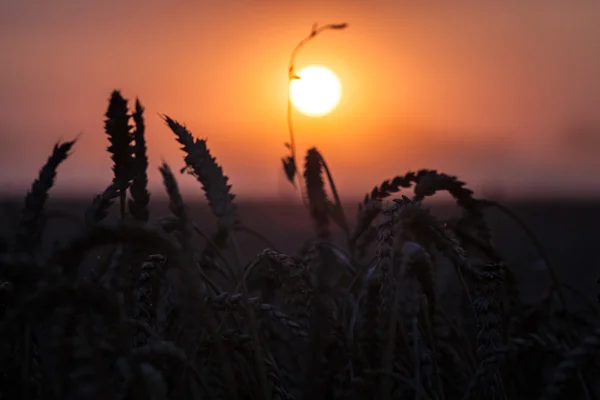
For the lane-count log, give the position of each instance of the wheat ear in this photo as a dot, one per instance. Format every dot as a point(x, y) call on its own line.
point(32, 219)
point(117, 129)
point(140, 197)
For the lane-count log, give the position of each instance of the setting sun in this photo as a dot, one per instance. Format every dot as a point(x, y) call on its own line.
point(317, 92)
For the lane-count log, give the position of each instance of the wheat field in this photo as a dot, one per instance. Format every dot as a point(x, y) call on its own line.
point(165, 307)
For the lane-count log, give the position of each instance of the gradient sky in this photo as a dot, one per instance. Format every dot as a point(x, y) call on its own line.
point(491, 92)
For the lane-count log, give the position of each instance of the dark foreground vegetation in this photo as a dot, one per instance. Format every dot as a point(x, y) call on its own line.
point(398, 303)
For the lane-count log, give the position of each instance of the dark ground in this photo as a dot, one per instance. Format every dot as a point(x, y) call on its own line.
point(568, 230)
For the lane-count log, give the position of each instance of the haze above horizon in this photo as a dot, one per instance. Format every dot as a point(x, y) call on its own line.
point(505, 96)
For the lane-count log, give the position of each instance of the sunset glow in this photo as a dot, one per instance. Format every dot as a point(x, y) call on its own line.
point(468, 89)
point(317, 92)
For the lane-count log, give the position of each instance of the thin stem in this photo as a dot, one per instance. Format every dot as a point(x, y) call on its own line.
point(122, 202)
point(212, 244)
point(209, 282)
point(293, 142)
point(292, 75)
point(338, 203)
point(248, 270)
point(258, 235)
point(549, 266)
point(252, 324)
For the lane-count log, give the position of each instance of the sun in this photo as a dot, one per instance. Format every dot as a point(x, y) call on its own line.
point(317, 92)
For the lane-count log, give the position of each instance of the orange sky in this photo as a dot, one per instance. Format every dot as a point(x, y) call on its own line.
point(484, 91)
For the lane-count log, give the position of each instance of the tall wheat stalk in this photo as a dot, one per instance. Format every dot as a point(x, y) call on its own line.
point(289, 162)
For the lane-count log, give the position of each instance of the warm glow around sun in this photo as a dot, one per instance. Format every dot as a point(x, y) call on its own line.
point(317, 92)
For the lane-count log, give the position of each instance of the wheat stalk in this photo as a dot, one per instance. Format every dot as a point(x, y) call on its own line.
point(289, 163)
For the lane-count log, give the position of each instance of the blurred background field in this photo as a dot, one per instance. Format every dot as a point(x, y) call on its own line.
point(568, 230)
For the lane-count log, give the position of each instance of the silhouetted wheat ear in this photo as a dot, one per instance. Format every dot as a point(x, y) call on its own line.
point(416, 262)
point(315, 191)
point(370, 207)
point(178, 208)
point(31, 223)
point(98, 210)
point(147, 294)
point(432, 182)
point(427, 229)
point(427, 183)
point(118, 129)
point(138, 204)
point(203, 166)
